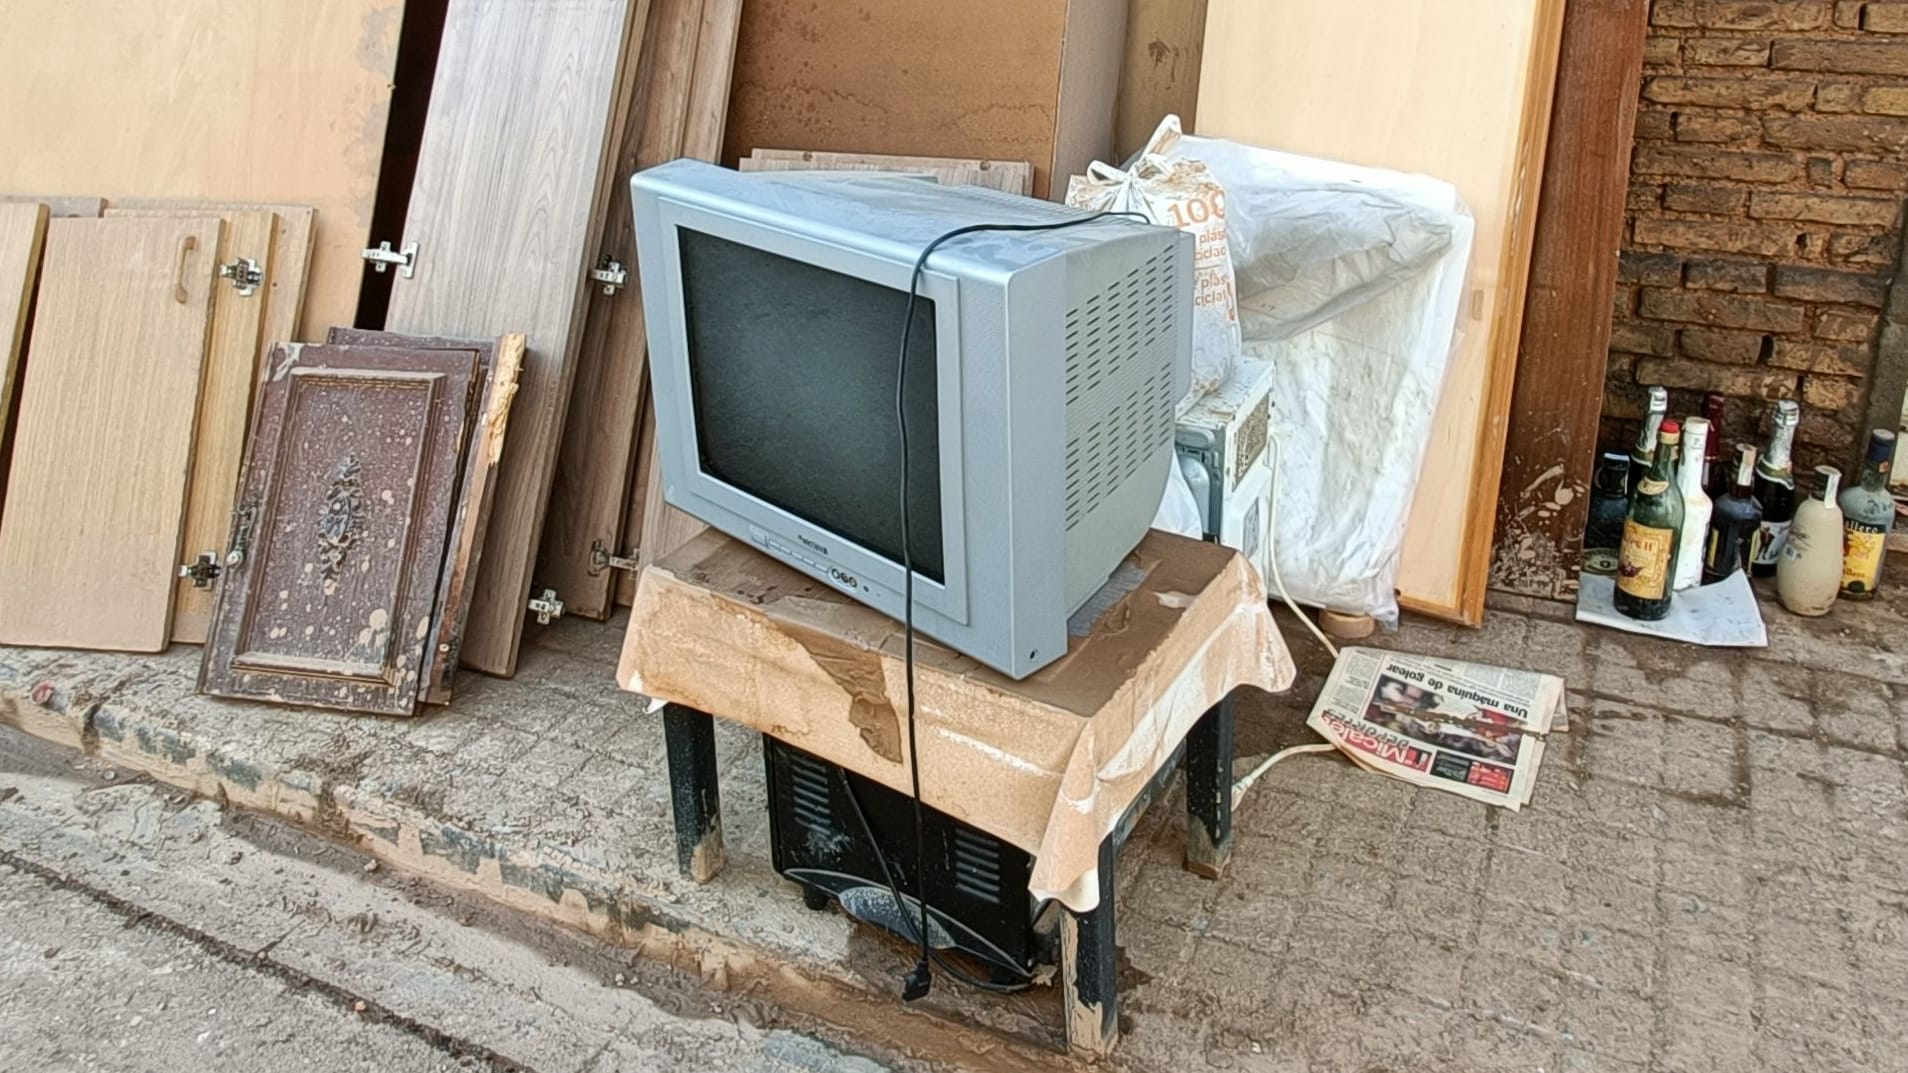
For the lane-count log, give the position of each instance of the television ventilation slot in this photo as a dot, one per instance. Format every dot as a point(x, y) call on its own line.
point(976, 866)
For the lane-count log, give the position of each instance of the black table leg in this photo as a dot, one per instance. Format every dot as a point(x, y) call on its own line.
point(689, 739)
point(1089, 967)
point(1209, 792)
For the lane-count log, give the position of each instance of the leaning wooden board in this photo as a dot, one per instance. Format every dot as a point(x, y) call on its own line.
point(96, 494)
point(346, 508)
point(513, 180)
point(1457, 89)
point(225, 407)
point(208, 99)
point(22, 234)
point(681, 98)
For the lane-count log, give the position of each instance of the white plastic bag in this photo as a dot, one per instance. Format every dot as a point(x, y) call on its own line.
point(1178, 509)
point(1179, 192)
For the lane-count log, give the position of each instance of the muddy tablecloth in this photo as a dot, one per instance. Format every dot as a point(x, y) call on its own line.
point(1048, 763)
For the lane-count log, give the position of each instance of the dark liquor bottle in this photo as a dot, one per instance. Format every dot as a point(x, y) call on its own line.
point(1715, 471)
point(1868, 511)
point(1647, 561)
point(1609, 502)
point(1733, 521)
point(1644, 452)
point(1775, 490)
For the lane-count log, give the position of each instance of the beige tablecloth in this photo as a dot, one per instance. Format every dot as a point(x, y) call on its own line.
point(1048, 763)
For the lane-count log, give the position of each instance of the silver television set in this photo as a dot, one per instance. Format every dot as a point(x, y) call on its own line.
point(1041, 374)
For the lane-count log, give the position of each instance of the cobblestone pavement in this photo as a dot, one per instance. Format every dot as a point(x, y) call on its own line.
point(1713, 874)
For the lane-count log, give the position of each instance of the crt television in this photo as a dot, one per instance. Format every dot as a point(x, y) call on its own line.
point(1042, 372)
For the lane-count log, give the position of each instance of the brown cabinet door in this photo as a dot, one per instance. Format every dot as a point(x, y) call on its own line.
point(341, 529)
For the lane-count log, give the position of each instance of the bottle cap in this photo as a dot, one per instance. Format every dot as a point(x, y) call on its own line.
point(1670, 427)
point(1881, 445)
point(1831, 477)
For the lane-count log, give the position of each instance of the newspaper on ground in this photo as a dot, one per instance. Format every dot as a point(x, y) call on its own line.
point(1469, 728)
point(1722, 614)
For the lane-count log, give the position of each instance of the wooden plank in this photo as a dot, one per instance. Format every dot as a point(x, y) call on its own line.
point(349, 483)
point(681, 99)
point(514, 177)
point(63, 207)
point(498, 363)
point(1558, 396)
point(1009, 176)
point(1457, 90)
point(292, 251)
point(209, 99)
point(1160, 74)
point(645, 461)
point(96, 493)
point(22, 236)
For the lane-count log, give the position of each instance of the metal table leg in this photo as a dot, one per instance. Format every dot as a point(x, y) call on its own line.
point(689, 739)
point(1089, 967)
point(1209, 792)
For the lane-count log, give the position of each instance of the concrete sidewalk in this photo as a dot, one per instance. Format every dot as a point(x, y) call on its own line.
point(1713, 874)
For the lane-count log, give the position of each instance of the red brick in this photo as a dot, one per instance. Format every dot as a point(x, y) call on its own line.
point(1838, 97)
point(1750, 382)
point(1643, 197)
point(1848, 14)
point(1655, 125)
point(1661, 269)
point(1763, 14)
point(1886, 100)
point(1722, 236)
point(1815, 357)
point(1723, 310)
point(1661, 52)
point(1830, 392)
point(1846, 327)
point(1865, 249)
point(1885, 18)
point(1735, 348)
point(1820, 430)
point(1694, 127)
point(1715, 200)
point(1688, 161)
point(1875, 175)
point(1821, 170)
point(1638, 337)
point(1822, 208)
point(1842, 57)
point(1845, 133)
point(1739, 277)
point(1623, 302)
point(1714, 52)
point(1679, 14)
point(1736, 92)
point(1828, 285)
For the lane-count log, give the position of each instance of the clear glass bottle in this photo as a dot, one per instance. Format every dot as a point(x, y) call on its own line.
point(1775, 490)
point(1733, 520)
point(1646, 567)
point(1868, 512)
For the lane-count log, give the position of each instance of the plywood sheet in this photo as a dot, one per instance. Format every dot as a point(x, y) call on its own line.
point(1160, 74)
point(214, 99)
point(1457, 89)
point(63, 206)
point(22, 233)
point(513, 179)
point(96, 492)
point(1009, 176)
point(292, 247)
point(498, 363)
point(346, 511)
point(681, 96)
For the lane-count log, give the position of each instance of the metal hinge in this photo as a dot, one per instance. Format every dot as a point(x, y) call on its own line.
point(247, 276)
point(601, 559)
point(546, 606)
point(203, 571)
point(611, 274)
point(382, 257)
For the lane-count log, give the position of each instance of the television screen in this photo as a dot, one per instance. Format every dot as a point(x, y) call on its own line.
point(792, 379)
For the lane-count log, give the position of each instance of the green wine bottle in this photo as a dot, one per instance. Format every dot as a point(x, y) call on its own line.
point(1868, 512)
point(1646, 564)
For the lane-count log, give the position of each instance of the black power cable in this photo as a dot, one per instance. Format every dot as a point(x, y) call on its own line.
point(921, 980)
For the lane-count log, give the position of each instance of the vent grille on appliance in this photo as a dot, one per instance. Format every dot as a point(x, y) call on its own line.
point(808, 789)
point(1119, 381)
point(976, 866)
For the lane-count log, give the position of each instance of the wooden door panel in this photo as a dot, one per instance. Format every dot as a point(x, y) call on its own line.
point(345, 514)
point(96, 488)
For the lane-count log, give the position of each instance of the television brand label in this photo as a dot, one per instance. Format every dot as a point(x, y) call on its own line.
point(813, 546)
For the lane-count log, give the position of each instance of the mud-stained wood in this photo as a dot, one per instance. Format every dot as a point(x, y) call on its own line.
point(342, 525)
point(102, 453)
point(1544, 497)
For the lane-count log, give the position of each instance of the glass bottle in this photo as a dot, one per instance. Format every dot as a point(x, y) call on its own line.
point(1646, 563)
point(1715, 469)
point(1733, 519)
point(1775, 490)
point(1609, 502)
point(1696, 505)
point(1868, 511)
point(1644, 452)
point(1810, 573)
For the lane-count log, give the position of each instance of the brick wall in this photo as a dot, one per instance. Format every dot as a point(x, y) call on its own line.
point(1767, 181)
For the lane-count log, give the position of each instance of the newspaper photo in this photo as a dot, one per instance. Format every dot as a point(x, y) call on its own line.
point(1468, 728)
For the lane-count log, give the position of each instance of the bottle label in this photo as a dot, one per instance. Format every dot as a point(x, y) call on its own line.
point(1863, 547)
point(1767, 545)
point(1650, 486)
point(1644, 563)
